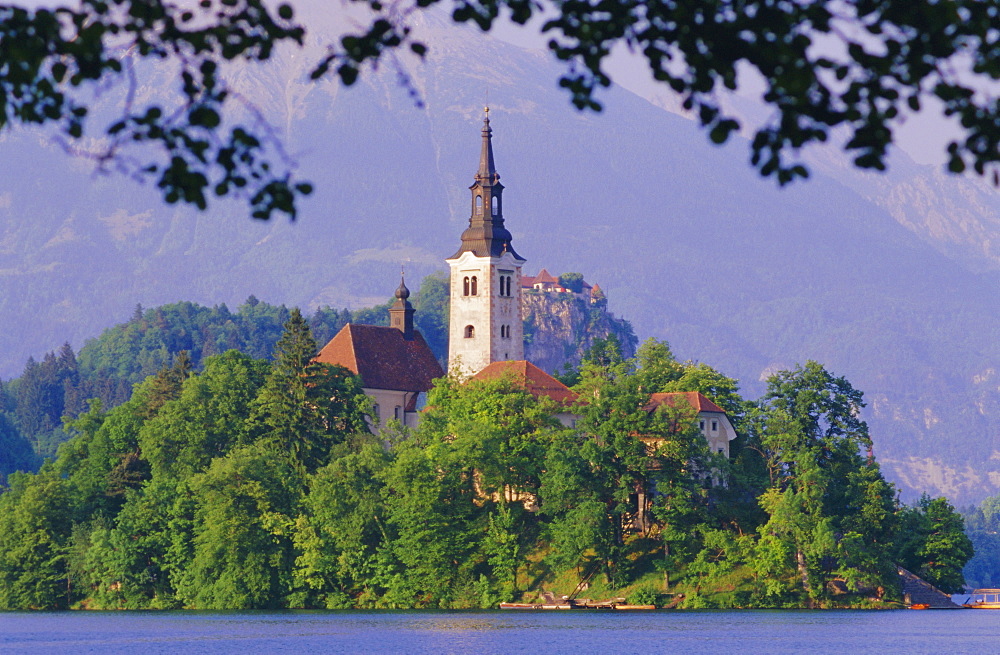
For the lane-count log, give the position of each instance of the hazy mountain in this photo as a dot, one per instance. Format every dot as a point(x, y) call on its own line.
point(889, 280)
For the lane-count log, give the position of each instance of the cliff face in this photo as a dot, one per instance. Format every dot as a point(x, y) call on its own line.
point(560, 327)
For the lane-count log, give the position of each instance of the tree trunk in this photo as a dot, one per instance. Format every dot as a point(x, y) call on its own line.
point(800, 560)
point(666, 571)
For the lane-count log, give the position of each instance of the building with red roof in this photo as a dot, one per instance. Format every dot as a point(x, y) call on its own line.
point(545, 281)
point(536, 382)
point(712, 420)
point(395, 364)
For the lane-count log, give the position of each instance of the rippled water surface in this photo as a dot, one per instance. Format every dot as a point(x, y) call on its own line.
point(969, 631)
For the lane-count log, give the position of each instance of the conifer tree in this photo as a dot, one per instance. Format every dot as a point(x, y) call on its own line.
point(306, 407)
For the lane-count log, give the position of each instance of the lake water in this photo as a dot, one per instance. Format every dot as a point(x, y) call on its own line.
point(536, 632)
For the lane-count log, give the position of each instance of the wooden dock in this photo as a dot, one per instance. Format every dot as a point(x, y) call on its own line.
point(576, 604)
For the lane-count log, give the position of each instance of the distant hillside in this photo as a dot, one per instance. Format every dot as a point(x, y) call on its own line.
point(887, 280)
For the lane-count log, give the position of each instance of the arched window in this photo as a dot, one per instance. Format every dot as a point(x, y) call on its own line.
point(470, 332)
point(495, 207)
point(502, 277)
point(508, 284)
point(465, 286)
point(479, 205)
point(475, 286)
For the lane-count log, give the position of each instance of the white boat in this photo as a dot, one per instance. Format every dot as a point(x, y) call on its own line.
point(984, 599)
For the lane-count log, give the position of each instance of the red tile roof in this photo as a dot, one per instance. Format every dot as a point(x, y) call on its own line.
point(693, 398)
point(545, 276)
point(535, 381)
point(383, 358)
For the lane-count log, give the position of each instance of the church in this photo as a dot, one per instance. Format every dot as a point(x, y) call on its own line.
point(486, 337)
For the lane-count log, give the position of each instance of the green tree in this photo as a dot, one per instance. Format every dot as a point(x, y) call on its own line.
point(493, 435)
point(572, 281)
point(659, 371)
point(494, 431)
point(830, 511)
point(126, 565)
point(574, 500)
point(982, 525)
point(933, 544)
point(209, 416)
point(241, 550)
point(16, 453)
point(36, 516)
point(613, 418)
point(344, 529)
point(306, 407)
point(432, 556)
point(432, 317)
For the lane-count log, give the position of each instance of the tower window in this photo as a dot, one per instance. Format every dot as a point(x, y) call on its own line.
point(505, 280)
point(474, 286)
point(465, 286)
point(493, 207)
point(479, 205)
point(470, 332)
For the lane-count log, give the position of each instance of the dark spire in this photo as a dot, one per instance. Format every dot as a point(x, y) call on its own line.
point(401, 312)
point(486, 235)
point(487, 169)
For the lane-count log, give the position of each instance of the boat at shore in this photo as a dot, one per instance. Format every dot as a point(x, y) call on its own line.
point(983, 599)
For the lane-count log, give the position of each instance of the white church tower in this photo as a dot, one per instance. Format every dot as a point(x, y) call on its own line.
point(485, 278)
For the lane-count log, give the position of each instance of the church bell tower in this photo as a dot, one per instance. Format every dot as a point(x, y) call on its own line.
point(485, 278)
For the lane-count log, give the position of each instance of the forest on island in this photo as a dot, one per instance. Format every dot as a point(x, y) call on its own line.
point(249, 483)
